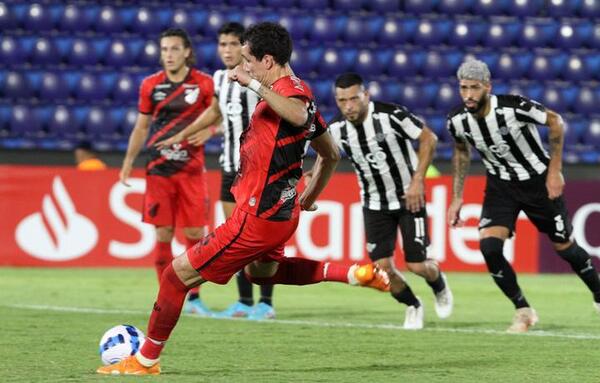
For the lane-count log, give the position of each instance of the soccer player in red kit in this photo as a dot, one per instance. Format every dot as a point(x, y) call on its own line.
point(176, 192)
point(267, 205)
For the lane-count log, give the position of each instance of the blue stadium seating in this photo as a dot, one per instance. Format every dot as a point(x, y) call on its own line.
point(467, 33)
point(75, 19)
point(108, 20)
point(53, 87)
point(11, 51)
point(45, 52)
point(455, 6)
point(384, 6)
point(489, 7)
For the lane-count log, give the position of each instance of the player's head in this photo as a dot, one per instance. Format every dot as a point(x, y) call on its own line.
point(230, 44)
point(266, 46)
point(176, 50)
point(474, 84)
point(351, 97)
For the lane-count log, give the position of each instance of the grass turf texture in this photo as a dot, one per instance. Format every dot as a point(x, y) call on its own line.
point(52, 319)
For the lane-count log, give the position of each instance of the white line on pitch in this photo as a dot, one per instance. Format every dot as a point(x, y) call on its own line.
point(380, 326)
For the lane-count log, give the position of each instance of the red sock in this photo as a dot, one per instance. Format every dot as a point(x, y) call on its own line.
point(194, 291)
point(165, 313)
point(301, 271)
point(162, 257)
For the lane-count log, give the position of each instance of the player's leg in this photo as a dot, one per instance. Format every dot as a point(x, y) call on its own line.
point(162, 251)
point(415, 239)
point(194, 304)
point(243, 306)
point(551, 217)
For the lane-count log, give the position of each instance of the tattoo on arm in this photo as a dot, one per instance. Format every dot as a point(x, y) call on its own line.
point(461, 161)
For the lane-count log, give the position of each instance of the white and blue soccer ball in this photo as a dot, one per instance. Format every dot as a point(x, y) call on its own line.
point(120, 342)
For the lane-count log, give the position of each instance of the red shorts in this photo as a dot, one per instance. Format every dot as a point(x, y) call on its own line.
point(242, 239)
point(179, 200)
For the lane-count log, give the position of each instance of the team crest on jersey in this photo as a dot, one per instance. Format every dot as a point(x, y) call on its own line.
point(159, 96)
point(191, 95)
point(501, 149)
point(504, 130)
point(380, 137)
point(297, 83)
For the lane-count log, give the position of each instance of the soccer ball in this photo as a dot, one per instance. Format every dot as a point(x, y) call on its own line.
point(119, 342)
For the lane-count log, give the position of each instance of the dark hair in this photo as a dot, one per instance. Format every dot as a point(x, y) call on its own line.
point(348, 79)
point(269, 39)
point(187, 42)
point(232, 28)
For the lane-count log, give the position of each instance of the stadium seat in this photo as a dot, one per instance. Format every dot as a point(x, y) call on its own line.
point(419, 6)
point(98, 123)
point(128, 122)
point(592, 62)
point(586, 102)
point(348, 5)
point(16, 86)
point(11, 52)
point(575, 69)
point(383, 6)
point(90, 88)
point(149, 55)
point(441, 63)
point(562, 8)
point(122, 52)
point(417, 96)
point(75, 19)
point(591, 135)
point(432, 32)
point(467, 33)
point(336, 61)
point(405, 63)
point(151, 22)
point(83, 53)
point(538, 33)
point(283, 4)
point(375, 89)
point(297, 24)
point(305, 59)
point(547, 65)
point(501, 32)
point(589, 8)
point(314, 4)
point(62, 122)
point(125, 90)
point(513, 64)
point(574, 130)
point(526, 8)
point(8, 20)
point(367, 63)
point(556, 98)
point(397, 31)
point(362, 30)
point(453, 7)
point(323, 91)
point(206, 52)
point(244, 3)
point(327, 28)
point(533, 90)
point(38, 18)
point(570, 35)
point(213, 22)
point(45, 52)
point(491, 7)
point(108, 20)
point(447, 97)
point(53, 88)
point(24, 121)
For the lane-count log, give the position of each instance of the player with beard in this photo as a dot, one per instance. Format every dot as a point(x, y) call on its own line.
point(521, 176)
point(176, 194)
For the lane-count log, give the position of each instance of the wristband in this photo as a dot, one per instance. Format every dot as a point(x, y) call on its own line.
point(254, 85)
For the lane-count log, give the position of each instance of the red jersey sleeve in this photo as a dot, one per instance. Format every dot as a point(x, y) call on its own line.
point(293, 87)
point(145, 100)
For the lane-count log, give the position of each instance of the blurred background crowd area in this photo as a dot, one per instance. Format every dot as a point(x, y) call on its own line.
point(70, 71)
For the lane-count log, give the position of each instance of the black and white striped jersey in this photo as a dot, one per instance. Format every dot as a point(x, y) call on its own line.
point(507, 138)
point(381, 151)
point(237, 104)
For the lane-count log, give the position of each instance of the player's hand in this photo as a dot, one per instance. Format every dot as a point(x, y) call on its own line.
point(124, 174)
point(555, 184)
point(305, 204)
point(239, 75)
point(312, 207)
point(415, 196)
point(168, 142)
point(454, 214)
point(200, 137)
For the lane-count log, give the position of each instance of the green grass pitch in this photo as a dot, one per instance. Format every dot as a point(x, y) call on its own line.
point(52, 319)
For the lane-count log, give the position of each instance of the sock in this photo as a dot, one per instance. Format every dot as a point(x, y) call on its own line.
point(244, 289)
point(194, 291)
point(437, 285)
point(266, 294)
point(581, 264)
point(407, 297)
point(502, 271)
point(162, 257)
point(301, 271)
point(165, 313)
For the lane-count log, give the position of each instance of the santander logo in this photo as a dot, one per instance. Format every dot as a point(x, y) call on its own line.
point(58, 232)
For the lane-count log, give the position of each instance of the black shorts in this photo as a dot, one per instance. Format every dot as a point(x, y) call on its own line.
point(381, 228)
point(227, 179)
point(505, 199)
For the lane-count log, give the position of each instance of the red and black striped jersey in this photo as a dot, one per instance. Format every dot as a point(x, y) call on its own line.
point(271, 154)
point(174, 106)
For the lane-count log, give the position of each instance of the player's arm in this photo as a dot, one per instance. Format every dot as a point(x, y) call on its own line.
point(555, 182)
point(210, 116)
point(293, 110)
point(415, 194)
point(461, 161)
point(328, 156)
point(136, 143)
